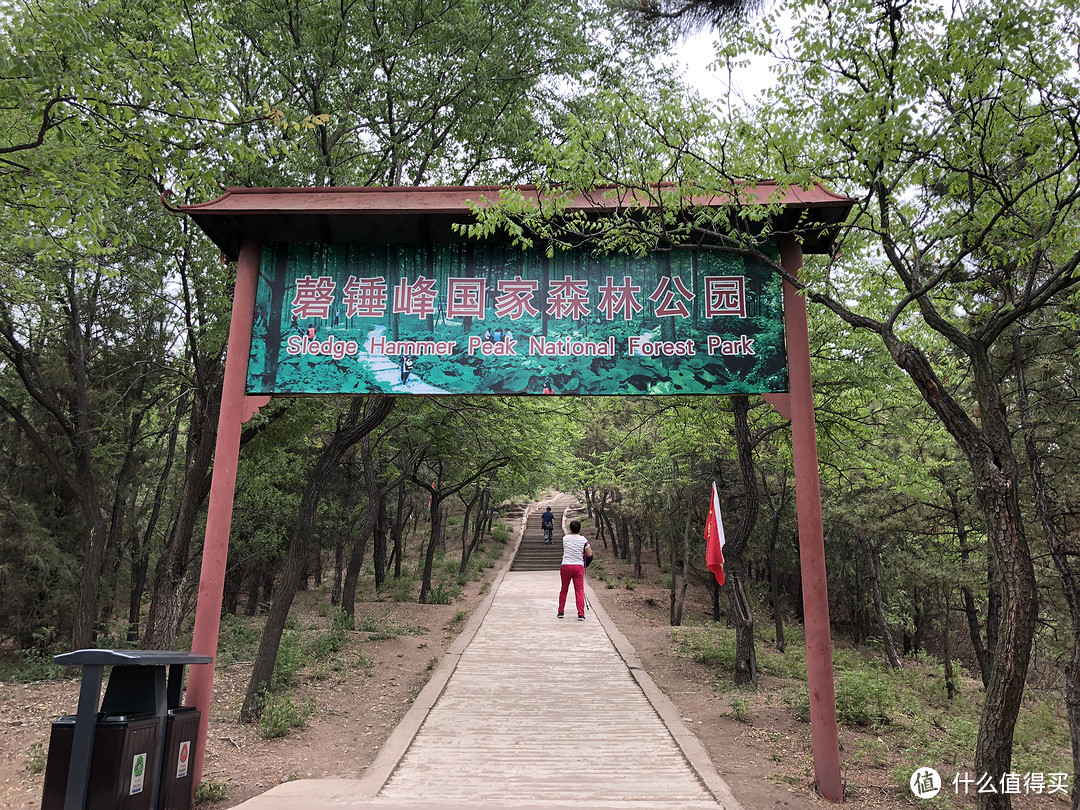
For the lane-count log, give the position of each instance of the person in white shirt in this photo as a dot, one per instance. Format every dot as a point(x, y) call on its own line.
point(575, 549)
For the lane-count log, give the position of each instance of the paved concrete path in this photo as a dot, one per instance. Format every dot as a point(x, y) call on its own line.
point(530, 711)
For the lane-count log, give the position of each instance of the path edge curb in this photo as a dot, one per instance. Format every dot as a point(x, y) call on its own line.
point(692, 748)
point(378, 773)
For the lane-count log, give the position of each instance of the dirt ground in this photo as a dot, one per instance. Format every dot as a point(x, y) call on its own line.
point(765, 756)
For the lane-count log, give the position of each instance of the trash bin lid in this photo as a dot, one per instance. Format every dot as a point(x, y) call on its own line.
point(145, 658)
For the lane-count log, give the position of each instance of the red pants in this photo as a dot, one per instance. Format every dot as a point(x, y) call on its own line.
point(577, 574)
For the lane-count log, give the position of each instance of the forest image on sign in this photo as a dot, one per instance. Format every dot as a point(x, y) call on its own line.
point(468, 318)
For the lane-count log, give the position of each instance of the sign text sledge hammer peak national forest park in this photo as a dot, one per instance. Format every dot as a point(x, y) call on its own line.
point(472, 318)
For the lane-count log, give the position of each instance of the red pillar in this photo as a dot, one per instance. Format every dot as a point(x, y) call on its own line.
point(234, 412)
point(819, 665)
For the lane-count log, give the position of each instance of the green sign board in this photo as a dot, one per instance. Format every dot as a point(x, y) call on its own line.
point(476, 318)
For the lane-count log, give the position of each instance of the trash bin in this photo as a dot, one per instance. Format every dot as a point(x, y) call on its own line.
point(181, 737)
point(122, 767)
point(114, 757)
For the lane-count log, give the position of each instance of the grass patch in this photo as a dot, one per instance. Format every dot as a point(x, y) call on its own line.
point(324, 646)
point(210, 791)
point(238, 639)
point(400, 589)
point(290, 659)
point(280, 716)
point(36, 757)
point(710, 646)
point(382, 627)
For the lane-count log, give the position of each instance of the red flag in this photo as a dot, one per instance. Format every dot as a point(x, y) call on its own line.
point(714, 539)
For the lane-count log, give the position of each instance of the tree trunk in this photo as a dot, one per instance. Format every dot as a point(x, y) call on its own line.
point(637, 551)
point(172, 566)
point(468, 546)
point(433, 543)
point(982, 654)
point(774, 583)
point(359, 421)
point(742, 615)
point(673, 615)
point(988, 449)
point(681, 601)
point(946, 643)
point(356, 561)
point(746, 671)
point(379, 542)
point(1061, 555)
point(339, 570)
point(871, 555)
point(399, 530)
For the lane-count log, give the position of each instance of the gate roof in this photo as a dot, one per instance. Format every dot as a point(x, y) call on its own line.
point(426, 213)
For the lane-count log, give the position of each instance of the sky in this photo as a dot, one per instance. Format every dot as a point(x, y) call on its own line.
point(698, 51)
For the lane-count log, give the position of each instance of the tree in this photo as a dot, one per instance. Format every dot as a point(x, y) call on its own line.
point(685, 16)
point(98, 106)
point(958, 134)
point(970, 217)
point(363, 416)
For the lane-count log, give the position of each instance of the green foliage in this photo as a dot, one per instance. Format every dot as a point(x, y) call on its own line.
point(365, 663)
point(323, 646)
point(280, 716)
point(789, 664)
point(38, 576)
point(290, 659)
point(863, 698)
point(382, 627)
point(445, 592)
point(29, 667)
point(400, 589)
point(238, 639)
point(210, 791)
point(36, 757)
point(741, 709)
point(713, 646)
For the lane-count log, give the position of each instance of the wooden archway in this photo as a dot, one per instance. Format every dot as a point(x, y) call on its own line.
point(242, 220)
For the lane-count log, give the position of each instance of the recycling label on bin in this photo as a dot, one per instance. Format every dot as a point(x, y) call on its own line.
point(182, 759)
point(138, 773)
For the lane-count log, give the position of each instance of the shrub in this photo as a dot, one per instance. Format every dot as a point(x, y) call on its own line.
point(323, 646)
point(740, 709)
point(290, 658)
point(36, 757)
point(400, 589)
point(238, 641)
point(863, 698)
point(444, 593)
point(280, 716)
point(713, 646)
point(28, 667)
point(210, 791)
